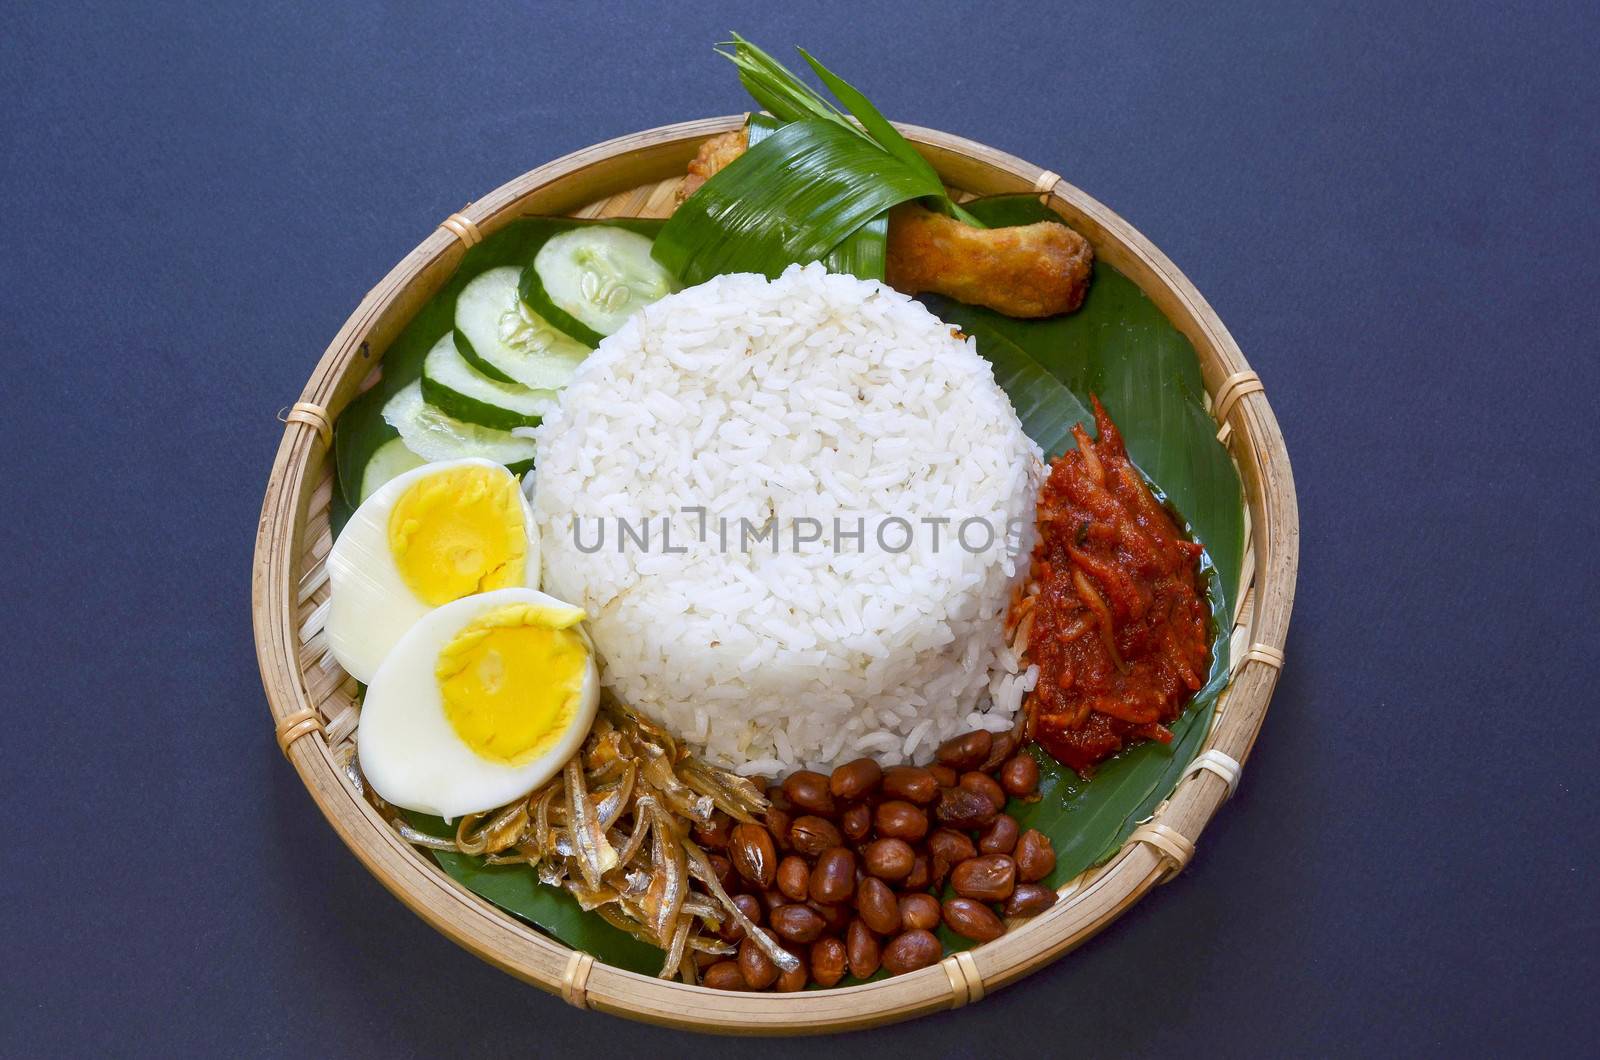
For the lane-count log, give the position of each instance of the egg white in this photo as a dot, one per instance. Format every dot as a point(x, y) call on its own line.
point(409, 751)
point(370, 607)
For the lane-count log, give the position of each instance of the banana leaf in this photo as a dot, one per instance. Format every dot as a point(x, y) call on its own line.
point(792, 197)
point(1120, 347)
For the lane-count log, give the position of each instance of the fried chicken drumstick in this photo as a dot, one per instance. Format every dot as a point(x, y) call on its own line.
point(1035, 270)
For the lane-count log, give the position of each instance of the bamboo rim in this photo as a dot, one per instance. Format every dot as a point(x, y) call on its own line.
point(313, 702)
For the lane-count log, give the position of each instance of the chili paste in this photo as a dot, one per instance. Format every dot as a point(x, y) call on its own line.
point(1115, 615)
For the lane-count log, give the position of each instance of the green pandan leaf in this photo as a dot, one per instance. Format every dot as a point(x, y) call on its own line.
point(792, 197)
point(862, 254)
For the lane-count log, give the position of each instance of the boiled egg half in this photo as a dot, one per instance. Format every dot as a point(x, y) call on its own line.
point(434, 534)
point(482, 700)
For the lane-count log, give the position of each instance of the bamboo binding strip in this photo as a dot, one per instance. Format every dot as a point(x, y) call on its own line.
point(1171, 845)
point(311, 415)
point(575, 979)
point(1215, 762)
point(297, 725)
point(1265, 653)
point(1236, 386)
point(462, 227)
point(966, 985)
point(637, 175)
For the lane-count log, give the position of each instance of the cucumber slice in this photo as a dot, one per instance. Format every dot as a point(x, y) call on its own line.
point(507, 341)
point(453, 386)
point(435, 435)
point(588, 280)
point(388, 460)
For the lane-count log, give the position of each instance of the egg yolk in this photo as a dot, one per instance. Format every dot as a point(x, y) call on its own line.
point(459, 532)
point(512, 680)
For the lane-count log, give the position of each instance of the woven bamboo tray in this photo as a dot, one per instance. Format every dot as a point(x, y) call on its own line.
point(312, 700)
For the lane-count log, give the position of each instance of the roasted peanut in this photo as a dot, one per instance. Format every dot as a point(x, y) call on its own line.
point(828, 961)
point(861, 947)
point(1029, 899)
point(835, 917)
point(809, 792)
point(863, 833)
point(985, 785)
point(966, 751)
point(856, 822)
point(715, 835)
point(811, 835)
point(879, 908)
point(911, 783)
point(778, 822)
point(1035, 856)
point(920, 878)
point(789, 982)
point(834, 878)
point(889, 859)
point(1001, 835)
point(900, 820)
point(951, 845)
point(796, 922)
point(724, 975)
point(963, 808)
point(969, 919)
point(1020, 775)
point(757, 968)
point(947, 849)
point(999, 751)
point(751, 850)
point(855, 780)
point(913, 950)
point(794, 878)
point(990, 878)
point(919, 912)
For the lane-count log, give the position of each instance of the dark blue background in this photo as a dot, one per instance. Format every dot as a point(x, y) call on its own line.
point(1394, 212)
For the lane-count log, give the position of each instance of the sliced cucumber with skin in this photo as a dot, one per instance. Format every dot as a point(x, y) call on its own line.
point(504, 339)
point(453, 386)
point(436, 435)
point(388, 460)
point(589, 280)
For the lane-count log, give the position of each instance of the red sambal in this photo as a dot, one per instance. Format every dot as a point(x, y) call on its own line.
point(1115, 615)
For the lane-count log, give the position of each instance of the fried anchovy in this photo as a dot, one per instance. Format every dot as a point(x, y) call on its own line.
point(422, 839)
point(596, 856)
point(611, 829)
point(734, 795)
point(700, 866)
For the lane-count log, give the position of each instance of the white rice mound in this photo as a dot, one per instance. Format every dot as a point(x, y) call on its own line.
point(813, 395)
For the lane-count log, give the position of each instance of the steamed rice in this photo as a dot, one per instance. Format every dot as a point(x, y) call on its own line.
point(813, 396)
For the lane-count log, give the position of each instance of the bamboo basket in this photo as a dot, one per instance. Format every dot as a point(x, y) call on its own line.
point(312, 700)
